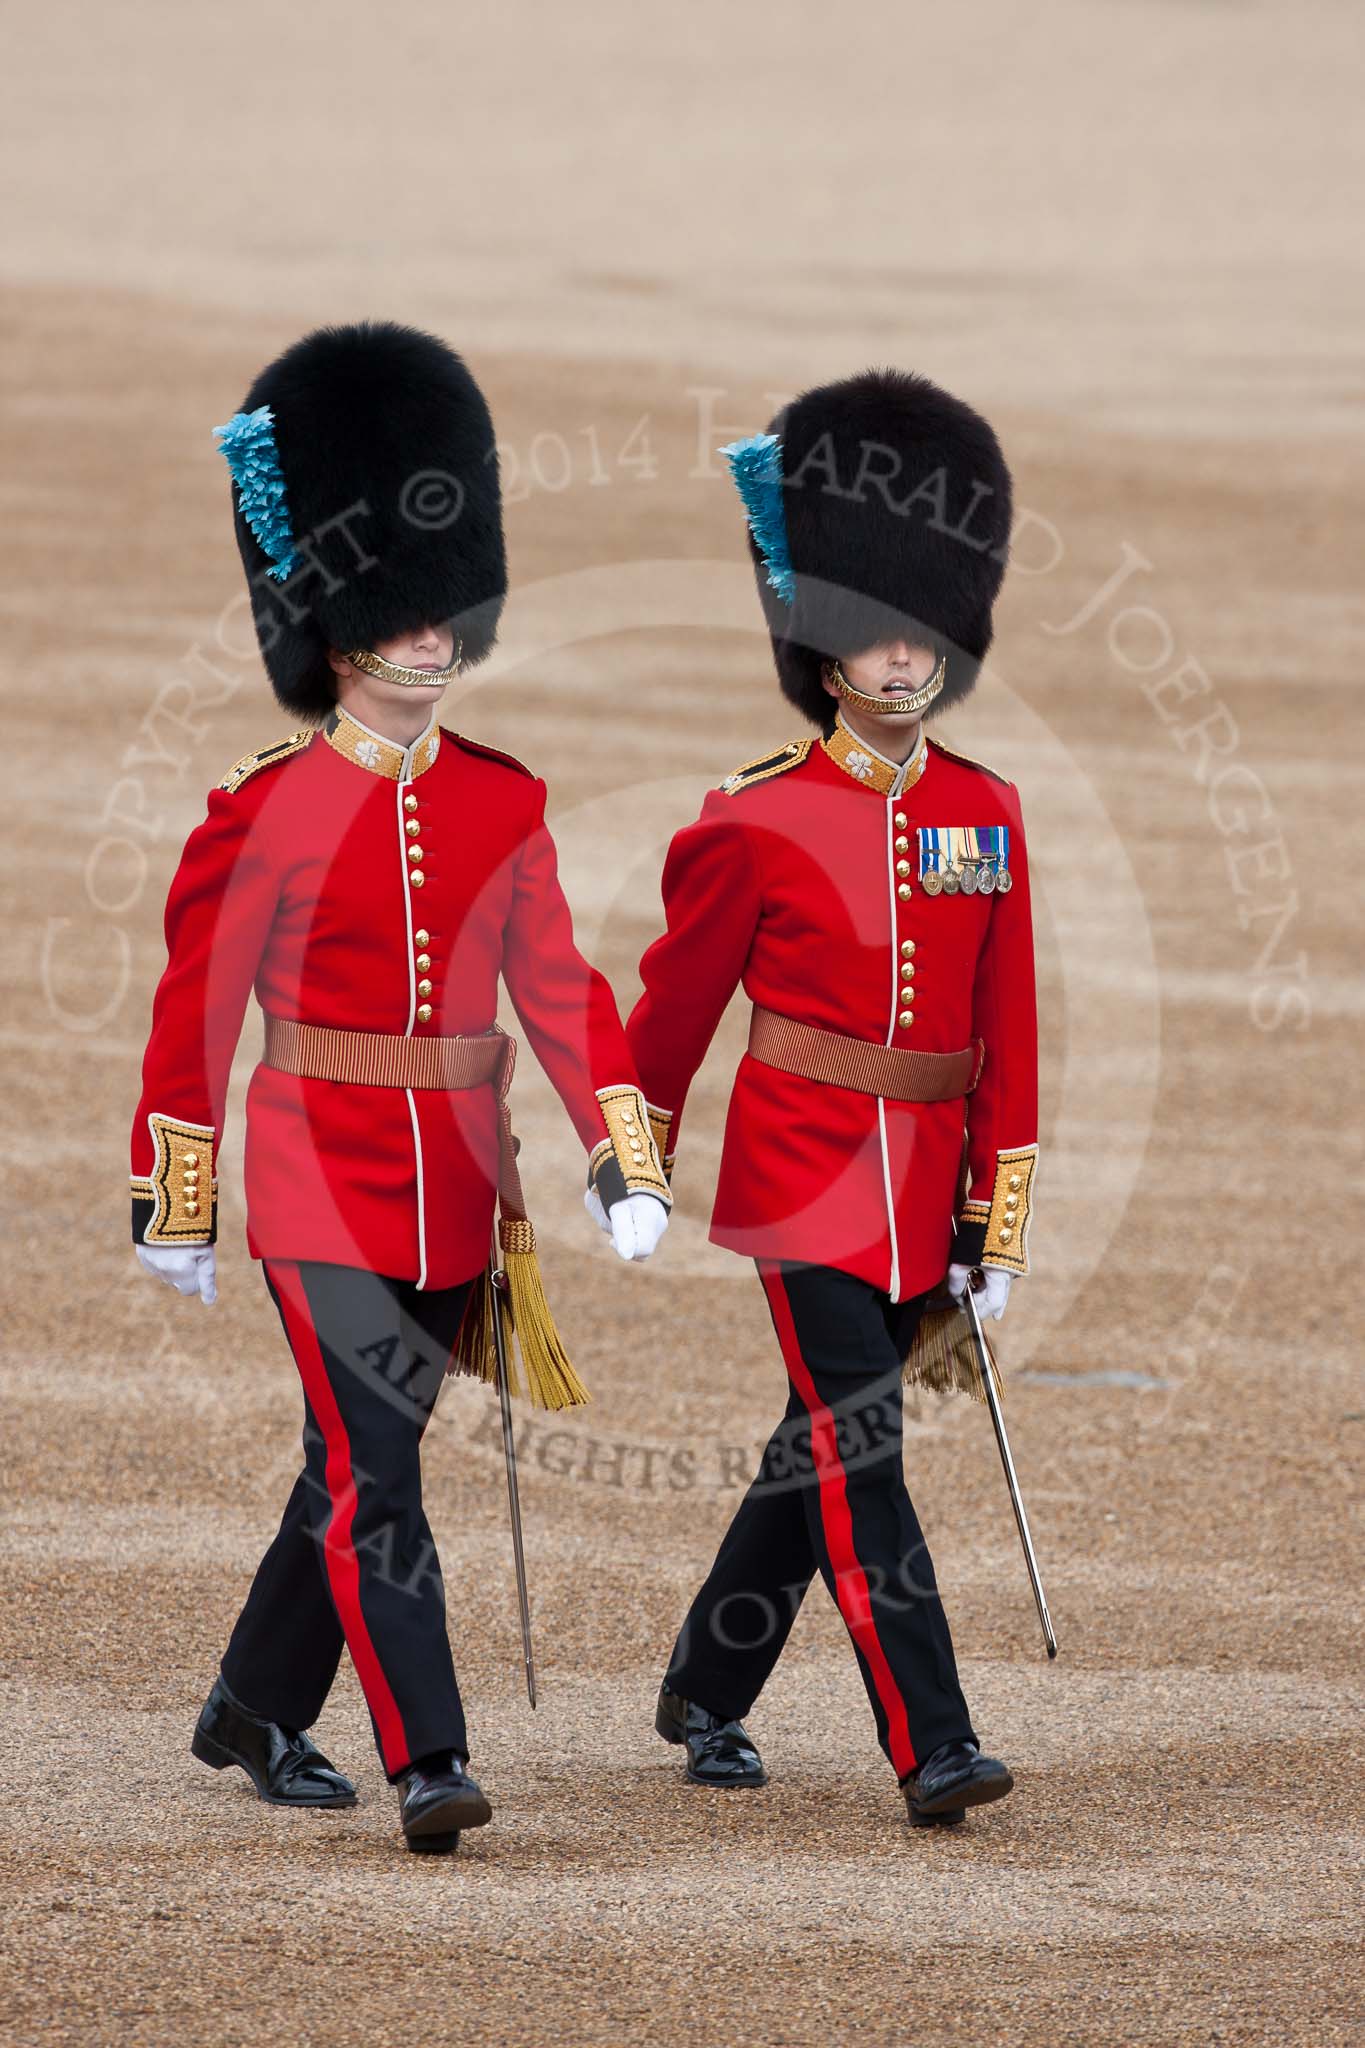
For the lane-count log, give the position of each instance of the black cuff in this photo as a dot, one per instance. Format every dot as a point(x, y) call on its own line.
point(609, 1181)
point(144, 1212)
point(969, 1245)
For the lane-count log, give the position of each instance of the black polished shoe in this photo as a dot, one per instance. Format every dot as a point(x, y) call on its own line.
point(953, 1778)
point(435, 1806)
point(719, 1752)
point(284, 1766)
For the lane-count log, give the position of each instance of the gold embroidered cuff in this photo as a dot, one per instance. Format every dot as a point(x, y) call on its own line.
point(1007, 1223)
point(630, 1143)
point(660, 1124)
point(179, 1197)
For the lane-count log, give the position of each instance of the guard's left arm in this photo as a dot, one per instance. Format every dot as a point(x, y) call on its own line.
point(570, 1017)
point(1002, 1110)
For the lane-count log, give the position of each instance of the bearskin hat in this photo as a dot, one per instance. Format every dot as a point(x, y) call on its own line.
point(893, 506)
point(366, 502)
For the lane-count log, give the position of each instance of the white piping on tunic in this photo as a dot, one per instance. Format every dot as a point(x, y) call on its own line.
point(893, 795)
point(400, 789)
point(894, 1283)
point(400, 786)
point(421, 1194)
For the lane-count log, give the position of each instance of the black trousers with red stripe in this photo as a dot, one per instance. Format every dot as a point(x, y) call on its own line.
point(830, 1496)
point(354, 1561)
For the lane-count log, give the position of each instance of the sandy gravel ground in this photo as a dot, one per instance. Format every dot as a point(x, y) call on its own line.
point(1123, 232)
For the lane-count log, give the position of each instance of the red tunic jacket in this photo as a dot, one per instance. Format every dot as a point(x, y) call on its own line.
point(802, 880)
point(360, 885)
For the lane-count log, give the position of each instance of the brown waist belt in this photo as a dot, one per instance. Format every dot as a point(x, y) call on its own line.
point(897, 1072)
point(383, 1059)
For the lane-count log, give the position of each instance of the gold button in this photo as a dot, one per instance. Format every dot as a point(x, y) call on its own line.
point(421, 938)
point(412, 828)
point(410, 804)
point(1005, 1233)
point(416, 878)
point(902, 844)
point(424, 988)
point(907, 947)
point(191, 1176)
point(423, 962)
point(424, 1013)
point(416, 853)
point(191, 1208)
point(906, 1017)
point(191, 1159)
point(907, 970)
point(904, 892)
point(901, 821)
point(902, 867)
point(1016, 1180)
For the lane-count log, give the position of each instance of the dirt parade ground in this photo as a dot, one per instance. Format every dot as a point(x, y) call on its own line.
point(1128, 235)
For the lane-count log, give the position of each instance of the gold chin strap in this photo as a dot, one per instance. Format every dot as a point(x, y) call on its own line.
point(887, 707)
point(410, 678)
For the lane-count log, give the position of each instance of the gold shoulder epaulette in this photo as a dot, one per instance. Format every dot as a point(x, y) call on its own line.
point(968, 762)
point(487, 753)
point(790, 756)
point(264, 757)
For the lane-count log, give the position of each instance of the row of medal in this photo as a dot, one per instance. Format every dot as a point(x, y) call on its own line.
point(972, 859)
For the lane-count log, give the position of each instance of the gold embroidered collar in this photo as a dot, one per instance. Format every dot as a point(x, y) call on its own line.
point(382, 757)
point(871, 769)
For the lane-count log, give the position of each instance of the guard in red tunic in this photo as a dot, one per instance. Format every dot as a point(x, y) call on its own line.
point(869, 890)
point(372, 877)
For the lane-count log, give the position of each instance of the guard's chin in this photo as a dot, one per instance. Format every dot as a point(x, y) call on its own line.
point(415, 693)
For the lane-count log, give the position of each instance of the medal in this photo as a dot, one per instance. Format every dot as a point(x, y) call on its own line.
point(970, 879)
point(952, 882)
point(931, 881)
point(1000, 850)
point(985, 881)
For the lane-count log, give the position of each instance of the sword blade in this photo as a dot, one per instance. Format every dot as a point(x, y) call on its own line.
point(1016, 1498)
point(498, 1282)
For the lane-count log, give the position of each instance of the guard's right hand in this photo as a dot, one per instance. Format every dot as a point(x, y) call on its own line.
point(990, 1297)
point(189, 1269)
point(634, 1226)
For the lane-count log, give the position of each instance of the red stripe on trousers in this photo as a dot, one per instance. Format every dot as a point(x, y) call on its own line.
point(343, 1566)
point(850, 1580)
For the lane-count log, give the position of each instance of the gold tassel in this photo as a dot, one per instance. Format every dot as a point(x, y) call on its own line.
point(474, 1356)
point(943, 1356)
point(552, 1379)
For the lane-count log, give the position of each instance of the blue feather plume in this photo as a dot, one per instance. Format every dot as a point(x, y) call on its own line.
point(248, 443)
point(756, 466)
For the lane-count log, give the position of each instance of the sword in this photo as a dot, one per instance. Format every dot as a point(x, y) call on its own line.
point(498, 1281)
point(1016, 1499)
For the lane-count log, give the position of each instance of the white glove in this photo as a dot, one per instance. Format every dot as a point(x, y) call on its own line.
point(990, 1300)
point(189, 1269)
point(634, 1226)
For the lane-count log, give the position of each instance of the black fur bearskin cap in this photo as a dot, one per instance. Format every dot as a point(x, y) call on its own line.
point(897, 506)
point(366, 502)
